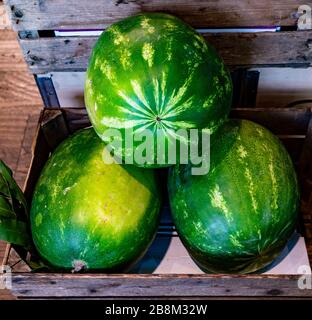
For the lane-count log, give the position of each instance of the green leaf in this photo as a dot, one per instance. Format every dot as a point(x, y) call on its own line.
point(13, 210)
point(6, 212)
point(17, 198)
point(15, 232)
point(4, 188)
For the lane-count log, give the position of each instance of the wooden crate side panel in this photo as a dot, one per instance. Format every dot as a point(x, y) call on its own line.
point(305, 174)
point(122, 285)
point(289, 124)
point(237, 49)
point(285, 122)
point(72, 14)
point(49, 135)
point(277, 87)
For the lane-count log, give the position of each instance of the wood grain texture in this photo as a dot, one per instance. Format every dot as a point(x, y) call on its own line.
point(122, 285)
point(11, 57)
point(6, 295)
point(237, 49)
point(4, 18)
point(71, 14)
point(19, 98)
point(3, 250)
point(281, 121)
point(12, 130)
point(25, 154)
point(18, 88)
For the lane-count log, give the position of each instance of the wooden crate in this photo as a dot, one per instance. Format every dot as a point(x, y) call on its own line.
point(47, 54)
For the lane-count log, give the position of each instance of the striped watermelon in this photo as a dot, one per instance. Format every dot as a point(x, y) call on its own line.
point(152, 71)
point(238, 217)
point(89, 215)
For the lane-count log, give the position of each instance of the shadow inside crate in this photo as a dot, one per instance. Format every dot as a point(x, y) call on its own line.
point(153, 257)
point(288, 248)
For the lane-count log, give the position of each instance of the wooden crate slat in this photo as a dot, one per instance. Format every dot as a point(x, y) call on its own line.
point(125, 285)
point(18, 90)
point(72, 14)
point(25, 155)
point(289, 124)
point(11, 57)
point(280, 121)
point(237, 49)
point(277, 87)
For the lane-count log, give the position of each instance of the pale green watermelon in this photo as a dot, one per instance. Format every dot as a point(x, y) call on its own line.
point(89, 215)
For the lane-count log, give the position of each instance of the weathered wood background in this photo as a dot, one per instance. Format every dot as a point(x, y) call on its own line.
point(173, 286)
point(92, 14)
point(20, 105)
point(237, 49)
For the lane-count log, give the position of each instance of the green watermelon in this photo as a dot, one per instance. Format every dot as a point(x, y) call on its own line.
point(152, 72)
point(86, 214)
point(239, 216)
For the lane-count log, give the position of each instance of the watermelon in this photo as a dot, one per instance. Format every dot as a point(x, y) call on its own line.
point(89, 215)
point(154, 73)
point(239, 216)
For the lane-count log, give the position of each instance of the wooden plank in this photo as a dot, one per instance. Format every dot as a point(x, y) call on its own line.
point(40, 154)
point(305, 161)
point(122, 285)
point(3, 247)
point(54, 127)
point(11, 136)
point(305, 173)
point(279, 121)
point(6, 295)
point(277, 87)
point(71, 14)
point(11, 56)
point(237, 49)
point(289, 124)
point(25, 154)
point(4, 18)
point(18, 89)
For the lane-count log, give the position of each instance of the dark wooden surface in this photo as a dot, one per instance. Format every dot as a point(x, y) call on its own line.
point(72, 14)
point(237, 49)
point(26, 285)
point(305, 174)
